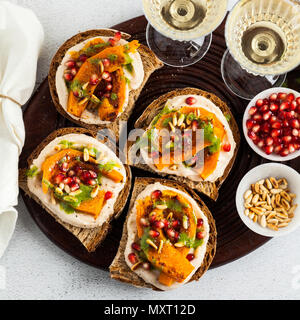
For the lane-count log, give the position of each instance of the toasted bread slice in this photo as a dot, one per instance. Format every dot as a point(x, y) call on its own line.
point(89, 237)
point(208, 188)
point(150, 63)
point(119, 269)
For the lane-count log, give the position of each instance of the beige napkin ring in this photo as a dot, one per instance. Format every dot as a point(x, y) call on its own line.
point(11, 99)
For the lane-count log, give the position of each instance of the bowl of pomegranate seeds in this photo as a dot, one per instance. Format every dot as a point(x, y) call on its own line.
point(271, 124)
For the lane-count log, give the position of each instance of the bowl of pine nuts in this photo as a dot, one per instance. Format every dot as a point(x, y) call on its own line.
point(266, 199)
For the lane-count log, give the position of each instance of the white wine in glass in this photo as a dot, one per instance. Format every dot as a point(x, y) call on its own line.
point(263, 39)
point(179, 31)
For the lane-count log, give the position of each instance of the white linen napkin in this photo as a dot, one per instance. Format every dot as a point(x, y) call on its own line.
point(21, 37)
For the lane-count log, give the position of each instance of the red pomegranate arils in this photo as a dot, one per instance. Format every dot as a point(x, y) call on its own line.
point(82, 57)
point(286, 139)
point(144, 222)
point(200, 235)
point(190, 257)
point(146, 265)
point(273, 97)
point(257, 117)
point(252, 111)
point(268, 149)
point(269, 141)
point(260, 143)
point(70, 64)
point(73, 71)
point(264, 108)
point(284, 106)
point(275, 133)
point(105, 75)
point(295, 132)
point(132, 258)
point(153, 233)
point(171, 233)
point(284, 152)
point(108, 195)
point(265, 127)
point(259, 102)
point(227, 146)
point(94, 79)
point(156, 194)
point(136, 246)
point(266, 116)
point(277, 149)
point(293, 105)
point(68, 76)
point(276, 125)
point(250, 123)
point(159, 224)
point(117, 36)
point(59, 178)
point(290, 97)
point(190, 101)
point(199, 223)
point(256, 128)
point(298, 101)
point(274, 107)
point(291, 148)
point(282, 96)
point(295, 123)
point(106, 63)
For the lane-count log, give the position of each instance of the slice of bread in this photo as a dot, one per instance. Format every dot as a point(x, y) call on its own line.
point(150, 63)
point(208, 188)
point(119, 269)
point(89, 237)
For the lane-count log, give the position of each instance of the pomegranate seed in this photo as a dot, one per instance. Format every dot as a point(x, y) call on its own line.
point(286, 139)
point(275, 133)
point(285, 123)
point(74, 186)
point(59, 178)
point(68, 180)
point(86, 175)
point(256, 128)
point(268, 149)
point(264, 108)
point(76, 179)
point(159, 224)
point(298, 101)
point(76, 93)
point(278, 149)
point(190, 257)
point(199, 223)
point(153, 233)
point(257, 117)
point(227, 146)
point(252, 135)
point(94, 79)
point(132, 258)
point(266, 116)
point(259, 102)
point(284, 106)
point(112, 42)
point(73, 71)
point(106, 62)
point(117, 36)
point(269, 141)
point(68, 76)
point(136, 246)
point(105, 75)
point(291, 148)
point(82, 57)
point(156, 194)
point(282, 115)
point(152, 217)
point(146, 265)
point(190, 101)
point(108, 195)
point(295, 123)
point(273, 119)
point(108, 87)
point(250, 123)
point(144, 222)
point(284, 152)
point(295, 132)
point(200, 235)
point(171, 233)
point(293, 105)
point(287, 131)
point(70, 64)
point(277, 141)
point(108, 79)
point(93, 174)
point(91, 182)
point(266, 101)
point(282, 96)
point(175, 223)
point(252, 111)
point(273, 97)
point(290, 114)
point(276, 125)
point(290, 97)
point(71, 173)
point(265, 127)
point(297, 146)
point(176, 236)
point(274, 107)
point(261, 143)
point(64, 166)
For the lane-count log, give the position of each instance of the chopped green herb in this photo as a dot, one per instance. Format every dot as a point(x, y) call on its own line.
point(129, 67)
point(165, 110)
point(48, 183)
point(216, 145)
point(113, 96)
point(107, 166)
point(112, 57)
point(66, 144)
point(175, 205)
point(189, 242)
point(144, 244)
point(32, 172)
point(95, 61)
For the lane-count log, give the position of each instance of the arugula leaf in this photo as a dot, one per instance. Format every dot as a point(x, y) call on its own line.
point(107, 166)
point(32, 172)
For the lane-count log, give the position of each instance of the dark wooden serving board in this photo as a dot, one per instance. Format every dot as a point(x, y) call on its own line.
point(234, 238)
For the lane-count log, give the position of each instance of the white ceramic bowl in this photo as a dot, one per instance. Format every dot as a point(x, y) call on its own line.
point(275, 170)
point(263, 95)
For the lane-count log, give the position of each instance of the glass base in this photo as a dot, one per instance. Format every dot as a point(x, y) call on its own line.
point(244, 84)
point(177, 53)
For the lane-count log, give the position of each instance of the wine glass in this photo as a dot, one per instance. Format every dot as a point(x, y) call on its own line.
point(179, 31)
point(263, 40)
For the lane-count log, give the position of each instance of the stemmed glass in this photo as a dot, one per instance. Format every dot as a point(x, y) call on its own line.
point(179, 31)
point(263, 40)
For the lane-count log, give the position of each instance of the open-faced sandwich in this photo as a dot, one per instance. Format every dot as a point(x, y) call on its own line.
point(202, 164)
point(96, 76)
point(169, 237)
point(80, 181)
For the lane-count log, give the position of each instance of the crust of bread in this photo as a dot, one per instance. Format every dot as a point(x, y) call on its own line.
point(208, 188)
point(89, 237)
point(150, 63)
point(119, 269)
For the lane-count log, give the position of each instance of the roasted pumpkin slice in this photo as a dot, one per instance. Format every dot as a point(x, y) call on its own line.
point(91, 66)
point(93, 206)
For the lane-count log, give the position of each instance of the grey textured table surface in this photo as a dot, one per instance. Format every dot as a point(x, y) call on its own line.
point(36, 269)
